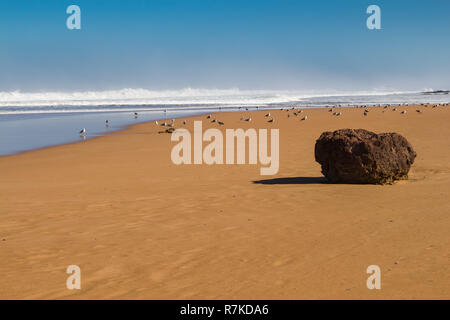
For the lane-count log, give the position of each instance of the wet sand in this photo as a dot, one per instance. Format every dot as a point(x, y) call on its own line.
point(142, 227)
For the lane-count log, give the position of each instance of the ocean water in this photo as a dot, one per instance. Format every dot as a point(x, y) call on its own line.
point(36, 120)
point(27, 131)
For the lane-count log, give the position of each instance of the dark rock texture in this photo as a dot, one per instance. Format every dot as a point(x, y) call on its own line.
point(361, 156)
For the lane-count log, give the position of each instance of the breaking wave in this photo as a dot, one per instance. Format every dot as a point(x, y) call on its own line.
point(128, 99)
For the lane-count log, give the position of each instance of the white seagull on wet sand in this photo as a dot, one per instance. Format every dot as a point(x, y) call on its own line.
point(305, 118)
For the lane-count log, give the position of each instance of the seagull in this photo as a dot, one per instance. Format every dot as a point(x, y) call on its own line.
point(271, 120)
point(156, 122)
point(248, 120)
point(184, 122)
point(208, 117)
point(267, 114)
point(220, 123)
point(305, 117)
point(107, 123)
point(419, 111)
point(213, 120)
point(135, 114)
point(403, 112)
point(83, 132)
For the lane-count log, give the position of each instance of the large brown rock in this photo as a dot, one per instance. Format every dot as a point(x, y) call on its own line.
point(361, 156)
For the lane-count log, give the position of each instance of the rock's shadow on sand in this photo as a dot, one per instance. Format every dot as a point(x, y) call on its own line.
point(294, 180)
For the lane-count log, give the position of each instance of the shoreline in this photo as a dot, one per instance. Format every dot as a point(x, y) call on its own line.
point(115, 129)
point(128, 126)
point(141, 227)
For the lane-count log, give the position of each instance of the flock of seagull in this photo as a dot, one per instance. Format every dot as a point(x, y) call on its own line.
point(394, 108)
point(295, 112)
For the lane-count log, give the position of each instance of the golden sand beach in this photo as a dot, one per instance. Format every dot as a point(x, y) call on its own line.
point(142, 227)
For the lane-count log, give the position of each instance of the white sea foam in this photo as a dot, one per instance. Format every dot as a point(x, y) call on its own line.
point(127, 99)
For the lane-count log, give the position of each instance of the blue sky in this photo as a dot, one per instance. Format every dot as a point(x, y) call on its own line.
point(246, 44)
